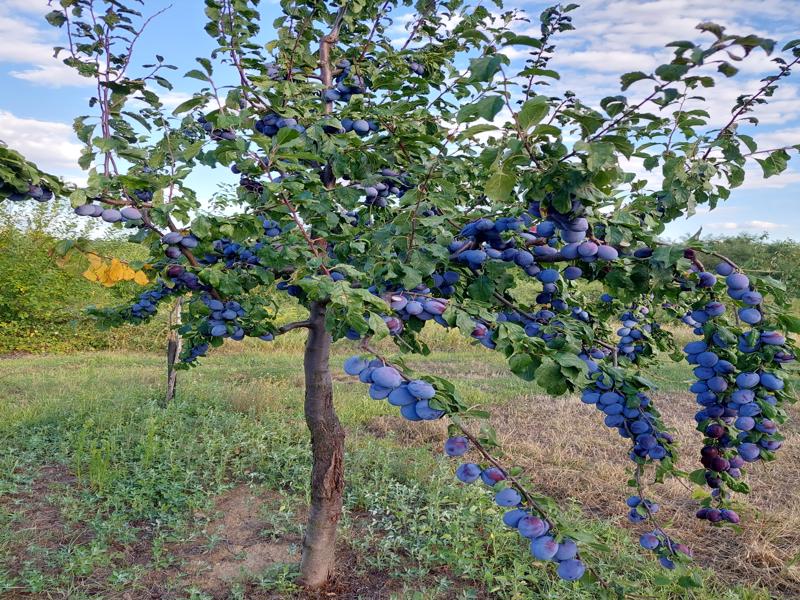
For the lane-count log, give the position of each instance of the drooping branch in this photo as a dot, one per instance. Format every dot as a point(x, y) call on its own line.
point(527, 496)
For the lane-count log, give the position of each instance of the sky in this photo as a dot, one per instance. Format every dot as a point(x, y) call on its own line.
point(39, 96)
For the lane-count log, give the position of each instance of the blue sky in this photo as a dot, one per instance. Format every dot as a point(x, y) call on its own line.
point(39, 96)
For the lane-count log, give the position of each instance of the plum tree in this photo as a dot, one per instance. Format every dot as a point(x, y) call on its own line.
point(385, 184)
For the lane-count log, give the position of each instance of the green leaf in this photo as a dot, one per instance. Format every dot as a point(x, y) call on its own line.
point(481, 289)
point(533, 111)
point(775, 163)
point(727, 69)
point(522, 40)
point(534, 71)
point(524, 366)
point(474, 130)
point(378, 326)
point(570, 360)
point(713, 28)
point(549, 377)
point(201, 227)
point(500, 185)
point(62, 247)
point(690, 581)
point(196, 74)
point(629, 79)
point(77, 198)
point(285, 135)
point(601, 154)
point(790, 323)
point(486, 108)
point(672, 72)
point(791, 44)
point(485, 67)
point(189, 105)
point(162, 82)
point(698, 476)
point(56, 18)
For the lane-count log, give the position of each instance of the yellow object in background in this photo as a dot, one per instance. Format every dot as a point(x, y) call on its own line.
point(110, 273)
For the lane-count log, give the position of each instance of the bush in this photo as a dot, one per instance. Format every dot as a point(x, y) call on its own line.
point(42, 299)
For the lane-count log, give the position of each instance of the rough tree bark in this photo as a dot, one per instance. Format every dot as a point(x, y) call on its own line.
point(174, 343)
point(327, 446)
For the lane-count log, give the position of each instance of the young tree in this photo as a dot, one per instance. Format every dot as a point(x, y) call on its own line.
point(386, 183)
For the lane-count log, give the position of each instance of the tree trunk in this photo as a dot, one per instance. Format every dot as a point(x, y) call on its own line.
point(327, 446)
point(174, 343)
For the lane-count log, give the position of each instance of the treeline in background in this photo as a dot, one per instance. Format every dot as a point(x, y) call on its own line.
point(43, 296)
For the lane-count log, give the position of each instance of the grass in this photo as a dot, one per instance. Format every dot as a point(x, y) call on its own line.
point(104, 493)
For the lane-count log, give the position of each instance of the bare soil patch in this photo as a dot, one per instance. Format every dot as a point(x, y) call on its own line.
point(233, 547)
point(36, 521)
point(237, 544)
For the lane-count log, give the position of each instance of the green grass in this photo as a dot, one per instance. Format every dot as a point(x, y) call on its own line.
point(142, 471)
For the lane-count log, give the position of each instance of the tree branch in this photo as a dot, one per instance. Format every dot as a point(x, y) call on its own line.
point(295, 325)
point(325, 45)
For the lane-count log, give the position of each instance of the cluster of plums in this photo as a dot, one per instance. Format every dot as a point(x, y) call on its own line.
point(147, 303)
point(717, 515)
point(386, 383)
point(665, 548)
point(109, 215)
point(39, 193)
point(215, 133)
point(633, 331)
point(271, 123)
point(392, 184)
point(531, 526)
point(175, 240)
point(181, 281)
point(640, 508)
point(347, 84)
point(418, 303)
point(222, 322)
point(630, 413)
point(736, 404)
point(543, 323)
point(555, 238)
point(445, 282)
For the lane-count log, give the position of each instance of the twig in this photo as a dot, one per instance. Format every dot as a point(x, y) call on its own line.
point(372, 31)
point(784, 70)
point(677, 117)
point(613, 124)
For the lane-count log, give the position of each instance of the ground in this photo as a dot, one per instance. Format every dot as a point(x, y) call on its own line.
point(106, 494)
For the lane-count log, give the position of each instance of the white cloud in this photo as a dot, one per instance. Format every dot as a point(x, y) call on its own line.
point(27, 41)
point(54, 75)
point(778, 139)
point(764, 225)
point(51, 145)
point(31, 6)
point(609, 61)
point(754, 179)
point(747, 225)
point(728, 226)
point(617, 36)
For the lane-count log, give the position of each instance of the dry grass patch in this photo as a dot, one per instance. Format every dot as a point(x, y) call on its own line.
point(567, 453)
